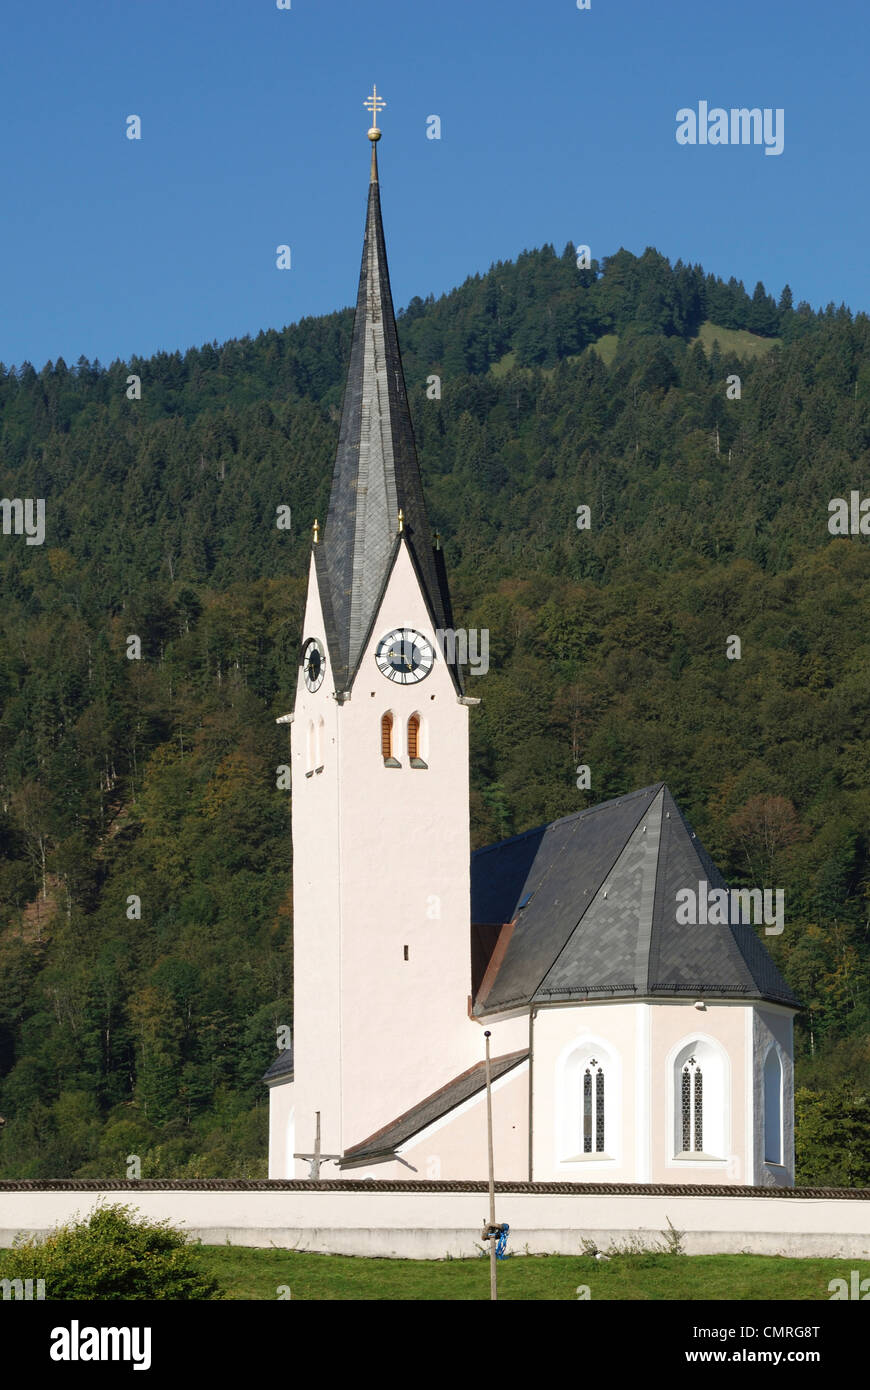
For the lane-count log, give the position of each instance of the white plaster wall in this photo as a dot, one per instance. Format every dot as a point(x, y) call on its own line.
point(281, 1117)
point(316, 921)
point(724, 1026)
point(405, 854)
point(557, 1031)
point(431, 1225)
point(640, 1041)
point(381, 862)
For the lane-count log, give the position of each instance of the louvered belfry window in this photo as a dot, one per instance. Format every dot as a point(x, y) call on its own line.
point(387, 735)
point(693, 1107)
point(593, 1108)
point(414, 736)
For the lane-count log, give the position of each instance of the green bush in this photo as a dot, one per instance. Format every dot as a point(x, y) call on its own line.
point(112, 1255)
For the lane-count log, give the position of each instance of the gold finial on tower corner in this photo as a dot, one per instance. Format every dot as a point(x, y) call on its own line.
point(401, 521)
point(374, 103)
point(437, 540)
point(316, 531)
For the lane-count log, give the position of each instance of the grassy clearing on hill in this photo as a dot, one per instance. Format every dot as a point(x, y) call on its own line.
point(606, 347)
point(258, 1274)
point(736, 340)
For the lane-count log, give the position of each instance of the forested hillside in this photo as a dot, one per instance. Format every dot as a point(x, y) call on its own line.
point(153, 779)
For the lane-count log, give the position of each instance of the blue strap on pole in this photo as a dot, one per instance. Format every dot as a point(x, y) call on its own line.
point(501, 1243)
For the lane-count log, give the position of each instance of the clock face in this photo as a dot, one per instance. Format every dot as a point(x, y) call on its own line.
point(313, 664)
point(405, 656)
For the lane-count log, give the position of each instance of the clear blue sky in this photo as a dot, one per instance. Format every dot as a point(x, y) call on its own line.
point(557, 125)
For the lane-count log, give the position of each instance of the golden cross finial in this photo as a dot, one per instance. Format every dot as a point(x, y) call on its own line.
point(401, 521)
point(374, 103)
point(316, 530)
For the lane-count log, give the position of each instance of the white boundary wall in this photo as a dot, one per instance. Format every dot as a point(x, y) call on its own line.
point(431, 1224)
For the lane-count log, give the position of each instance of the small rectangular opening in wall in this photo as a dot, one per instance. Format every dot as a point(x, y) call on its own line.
point(405, 949)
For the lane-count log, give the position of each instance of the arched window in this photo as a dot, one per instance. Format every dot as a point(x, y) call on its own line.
point(773, 1107)
point(592, 1107)
point(588, 1087)
point(415, 741)
point(692, 1107)
point(387, 741)
point(700, 1097)
point(309, 749)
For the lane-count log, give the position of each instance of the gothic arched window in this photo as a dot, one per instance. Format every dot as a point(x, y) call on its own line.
point(700, 1099)
point(588, 1090)
point(773, 1107)
point(692, 1107)
point(592, 1107)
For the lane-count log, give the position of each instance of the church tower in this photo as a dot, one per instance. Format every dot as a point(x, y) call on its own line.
point(379, 758)
point(629, 1042)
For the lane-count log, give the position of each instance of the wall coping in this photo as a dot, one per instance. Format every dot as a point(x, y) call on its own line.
point(328, 1185)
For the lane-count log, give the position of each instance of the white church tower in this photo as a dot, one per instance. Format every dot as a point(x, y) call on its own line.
point(379, 762)
point(628, 1045)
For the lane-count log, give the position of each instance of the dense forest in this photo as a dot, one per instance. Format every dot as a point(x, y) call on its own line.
point(145, 874)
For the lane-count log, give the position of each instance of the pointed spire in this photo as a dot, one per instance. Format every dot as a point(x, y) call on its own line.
point(376, 478)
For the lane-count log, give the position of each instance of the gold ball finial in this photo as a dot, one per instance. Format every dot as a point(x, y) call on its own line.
point(374, 103)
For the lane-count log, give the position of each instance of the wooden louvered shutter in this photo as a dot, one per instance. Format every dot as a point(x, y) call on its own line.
point(414, 736)
point(387, 735)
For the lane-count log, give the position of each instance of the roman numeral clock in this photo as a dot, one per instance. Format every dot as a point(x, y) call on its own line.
point(404, 655)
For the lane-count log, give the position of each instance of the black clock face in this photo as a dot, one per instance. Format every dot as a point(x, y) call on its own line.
point(313, 664)
point(404, 656)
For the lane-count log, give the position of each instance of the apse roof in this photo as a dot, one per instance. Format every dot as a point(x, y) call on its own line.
point(590, 907)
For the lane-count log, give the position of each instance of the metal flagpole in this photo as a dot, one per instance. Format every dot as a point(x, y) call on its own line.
point(493, 1288)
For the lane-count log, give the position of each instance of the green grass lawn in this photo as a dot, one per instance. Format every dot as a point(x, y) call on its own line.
point(257, 1274)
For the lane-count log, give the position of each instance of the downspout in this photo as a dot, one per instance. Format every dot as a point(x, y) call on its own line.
point(532, 1012)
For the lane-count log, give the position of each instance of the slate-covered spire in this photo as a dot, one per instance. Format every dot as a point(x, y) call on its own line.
point(376, 476)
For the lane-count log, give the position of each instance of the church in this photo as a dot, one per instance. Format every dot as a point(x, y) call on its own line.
point(627, 1046)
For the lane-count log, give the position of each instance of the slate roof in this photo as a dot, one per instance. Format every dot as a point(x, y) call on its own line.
point(589, 907)
point(375, 476)
point(282, 1067)
point(384, 1142)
